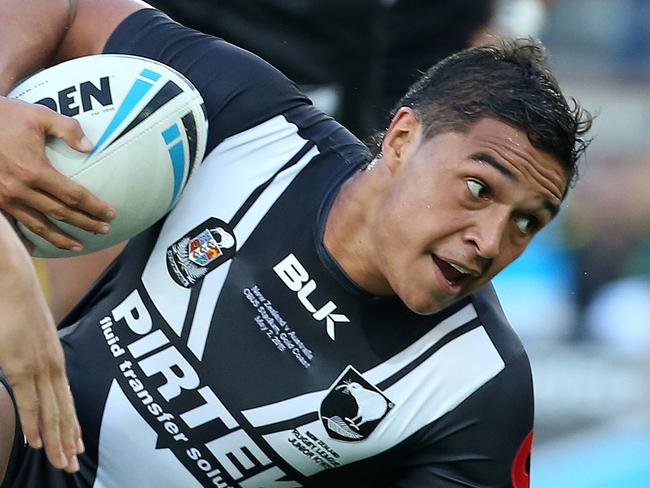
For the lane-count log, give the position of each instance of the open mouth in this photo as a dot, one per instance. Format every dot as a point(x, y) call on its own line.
point(454, 274)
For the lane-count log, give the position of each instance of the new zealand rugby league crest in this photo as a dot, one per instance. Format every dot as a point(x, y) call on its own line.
point(198, 252)
point(353, 408)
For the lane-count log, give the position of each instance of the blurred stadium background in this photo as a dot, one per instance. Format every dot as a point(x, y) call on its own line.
point(580, 296)
point(587, 326)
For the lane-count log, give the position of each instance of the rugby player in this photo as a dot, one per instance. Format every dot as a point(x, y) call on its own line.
point(346, 332)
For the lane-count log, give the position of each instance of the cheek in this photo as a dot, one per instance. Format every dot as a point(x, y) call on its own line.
point(512, 250)
point(517, 245)
point(398, 235)
point(393, 232)
point(396, 214)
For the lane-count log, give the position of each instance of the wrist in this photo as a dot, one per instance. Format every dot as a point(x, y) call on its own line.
point(7, 81)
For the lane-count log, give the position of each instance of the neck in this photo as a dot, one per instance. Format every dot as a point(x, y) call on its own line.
point(348, 236)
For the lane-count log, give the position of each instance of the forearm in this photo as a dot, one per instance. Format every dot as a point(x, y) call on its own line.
point(30, 35)
point(32, 359)
point(16, 271)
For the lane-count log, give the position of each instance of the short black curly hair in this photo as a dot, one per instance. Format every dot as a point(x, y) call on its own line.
point(509, 81)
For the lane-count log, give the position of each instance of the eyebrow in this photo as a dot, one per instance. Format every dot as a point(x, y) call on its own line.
point(483, 157)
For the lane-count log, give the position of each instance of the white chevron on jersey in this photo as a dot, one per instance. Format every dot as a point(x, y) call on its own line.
point(228, 175)
point(117, 466)
point(210, 291)
point(213, 282)
point(440, 383)
point(310, 402)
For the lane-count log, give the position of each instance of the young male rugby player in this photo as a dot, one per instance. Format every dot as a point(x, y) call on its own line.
point(345, 334)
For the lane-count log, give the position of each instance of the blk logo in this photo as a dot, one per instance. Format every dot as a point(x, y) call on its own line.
point(70, 100)
point(295, 276)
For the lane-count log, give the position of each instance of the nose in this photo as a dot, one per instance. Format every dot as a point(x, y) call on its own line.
point(488, 233)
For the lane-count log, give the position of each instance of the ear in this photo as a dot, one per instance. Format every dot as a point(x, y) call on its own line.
point(401, 134)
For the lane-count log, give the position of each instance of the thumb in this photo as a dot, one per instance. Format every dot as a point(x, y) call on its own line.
point(68, 129)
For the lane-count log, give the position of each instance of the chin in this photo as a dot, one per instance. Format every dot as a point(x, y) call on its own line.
point(425, 305)
point(428, 304)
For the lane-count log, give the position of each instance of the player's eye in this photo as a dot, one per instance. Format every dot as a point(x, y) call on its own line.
point(477, 188)
point(527, 224)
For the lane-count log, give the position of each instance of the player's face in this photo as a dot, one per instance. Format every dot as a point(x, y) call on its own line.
point(459, 208)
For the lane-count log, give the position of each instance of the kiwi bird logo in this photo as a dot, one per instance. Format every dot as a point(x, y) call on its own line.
point(370, 404)
point(355, 408)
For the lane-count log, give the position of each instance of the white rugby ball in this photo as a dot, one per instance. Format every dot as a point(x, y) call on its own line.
point(148, 127)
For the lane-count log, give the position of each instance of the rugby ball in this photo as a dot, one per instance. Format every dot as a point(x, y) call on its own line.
point(148, 127)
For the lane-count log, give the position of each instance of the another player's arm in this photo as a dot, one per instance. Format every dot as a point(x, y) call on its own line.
point(31, 358)
point(36, 33)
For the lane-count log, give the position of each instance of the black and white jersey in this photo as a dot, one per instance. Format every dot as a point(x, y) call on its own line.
point(225, 347)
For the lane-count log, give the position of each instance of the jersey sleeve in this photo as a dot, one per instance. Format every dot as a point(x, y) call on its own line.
point(240, 90)
point(484, 442)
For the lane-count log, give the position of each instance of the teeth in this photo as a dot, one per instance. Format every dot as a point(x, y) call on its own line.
point(460, 269)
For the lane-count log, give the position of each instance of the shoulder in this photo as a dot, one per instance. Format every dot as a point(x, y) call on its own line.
point(482, 440)
point(91, 23)
point(240, 89)
point(515, 379)
point(494, 422)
